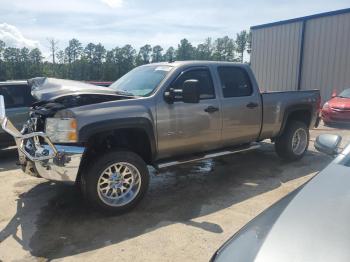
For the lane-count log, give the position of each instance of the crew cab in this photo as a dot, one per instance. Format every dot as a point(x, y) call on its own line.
point(161, 114)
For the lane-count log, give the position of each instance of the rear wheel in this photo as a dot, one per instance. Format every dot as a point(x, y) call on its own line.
point(293, 143)
point(116, 182)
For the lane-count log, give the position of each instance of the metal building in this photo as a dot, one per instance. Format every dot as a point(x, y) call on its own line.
point(311, 52)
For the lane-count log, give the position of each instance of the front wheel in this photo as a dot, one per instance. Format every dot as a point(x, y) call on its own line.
point(116, 182)
point(294, 141)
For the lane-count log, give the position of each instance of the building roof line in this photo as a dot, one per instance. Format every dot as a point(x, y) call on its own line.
point(301, 19)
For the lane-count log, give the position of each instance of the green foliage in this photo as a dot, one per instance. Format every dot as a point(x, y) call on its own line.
point(185, 50)
point(241, 43)
point(224, 49)
point(157, 55)
point(94, 62)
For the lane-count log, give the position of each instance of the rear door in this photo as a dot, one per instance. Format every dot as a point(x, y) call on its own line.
point(189, 127)
point(241, 106)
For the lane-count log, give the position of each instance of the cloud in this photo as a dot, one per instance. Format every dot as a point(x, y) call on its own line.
point(14, 38)
point(113, 3)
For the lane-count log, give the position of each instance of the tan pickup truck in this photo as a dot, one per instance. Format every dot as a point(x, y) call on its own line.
point(163, 114)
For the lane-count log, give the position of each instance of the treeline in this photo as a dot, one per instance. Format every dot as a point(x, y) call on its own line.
point(94, 62)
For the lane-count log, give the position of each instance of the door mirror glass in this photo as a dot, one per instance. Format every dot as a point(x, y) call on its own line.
point(190, 91)
point(2, 109)
point(328, 144)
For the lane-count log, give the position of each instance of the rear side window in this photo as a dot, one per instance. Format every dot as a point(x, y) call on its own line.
point(235, 81)
point(205, 82)
point(16, 96)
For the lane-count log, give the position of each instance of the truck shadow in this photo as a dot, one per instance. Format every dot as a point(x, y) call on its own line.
point(64, 226)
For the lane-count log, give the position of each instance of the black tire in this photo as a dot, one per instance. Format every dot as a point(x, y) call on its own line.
point(90, 180)
point(284, 143)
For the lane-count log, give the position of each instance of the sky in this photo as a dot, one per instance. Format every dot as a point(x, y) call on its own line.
point(137, 22)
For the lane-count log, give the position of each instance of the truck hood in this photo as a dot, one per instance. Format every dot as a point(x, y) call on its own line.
point(49, 89)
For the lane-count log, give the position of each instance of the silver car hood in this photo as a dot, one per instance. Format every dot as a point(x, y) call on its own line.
point(311, 224)
point(48, 89)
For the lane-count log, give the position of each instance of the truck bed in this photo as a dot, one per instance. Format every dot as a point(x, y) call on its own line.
point(277, 104)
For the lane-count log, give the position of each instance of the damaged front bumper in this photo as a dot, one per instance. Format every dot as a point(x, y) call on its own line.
point(39, 157)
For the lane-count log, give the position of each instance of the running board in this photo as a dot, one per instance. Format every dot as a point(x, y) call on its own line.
point(207, 155)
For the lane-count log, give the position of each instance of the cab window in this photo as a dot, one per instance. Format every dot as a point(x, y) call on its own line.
point(235, 81)
point(205, 82)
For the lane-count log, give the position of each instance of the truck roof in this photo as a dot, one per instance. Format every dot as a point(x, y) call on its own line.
point(198, 63)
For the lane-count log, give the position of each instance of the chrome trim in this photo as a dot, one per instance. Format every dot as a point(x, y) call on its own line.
point(208, 156)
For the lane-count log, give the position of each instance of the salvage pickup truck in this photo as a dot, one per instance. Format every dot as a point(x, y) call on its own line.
point(164, 114)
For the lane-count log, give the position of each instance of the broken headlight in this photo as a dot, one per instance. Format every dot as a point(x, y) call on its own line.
point(62, 130)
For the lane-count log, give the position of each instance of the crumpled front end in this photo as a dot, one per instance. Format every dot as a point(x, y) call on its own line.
point(38, 156)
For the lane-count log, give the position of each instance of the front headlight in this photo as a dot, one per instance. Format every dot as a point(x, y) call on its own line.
point(326, 105)
point(62, 130)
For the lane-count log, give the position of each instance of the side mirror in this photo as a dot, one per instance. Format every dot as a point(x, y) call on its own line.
point(190, 91)
point(2, 109)
point(188, 94)
point(328, 144)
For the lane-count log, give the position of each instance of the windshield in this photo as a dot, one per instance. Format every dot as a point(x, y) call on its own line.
point(345, 93)
point(141, 81)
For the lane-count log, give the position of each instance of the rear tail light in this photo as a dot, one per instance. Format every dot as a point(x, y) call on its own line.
point(318, 103)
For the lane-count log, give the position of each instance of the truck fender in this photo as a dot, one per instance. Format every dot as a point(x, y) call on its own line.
point(290, 110)
point(145, 124)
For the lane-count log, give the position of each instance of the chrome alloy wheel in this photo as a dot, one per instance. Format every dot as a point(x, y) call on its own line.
point(119, 184)
point(299, 141)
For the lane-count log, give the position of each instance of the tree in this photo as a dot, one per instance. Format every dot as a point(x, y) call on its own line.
point(35, 59)
point(73, 52)
point(24, 63)
point(185, 50)
point(110, 67)
point(169, 55)
point(224, 49)
point(11, 58)
point(2, 48)
point(2, 64)
point(249, 42)
point(95, 62)
point(98, 59)
point(157, 54)
point(53, 47)
point(241, 43)
point(92, 61)
point(144, 55)
point(205, 51)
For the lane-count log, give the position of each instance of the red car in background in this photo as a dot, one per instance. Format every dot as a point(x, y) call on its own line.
point(337, 109)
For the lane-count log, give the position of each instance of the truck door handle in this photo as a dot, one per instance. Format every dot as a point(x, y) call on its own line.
point(252, 105)
point(211, 109)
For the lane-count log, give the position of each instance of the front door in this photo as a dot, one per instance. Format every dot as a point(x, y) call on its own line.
point(189, 128)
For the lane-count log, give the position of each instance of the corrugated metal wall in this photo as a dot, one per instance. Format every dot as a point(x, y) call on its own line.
point(275, 56)
point(326, 63)
point(326, 56)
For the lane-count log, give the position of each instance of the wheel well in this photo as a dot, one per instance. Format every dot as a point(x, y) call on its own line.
point(134, 139)
point(300, 115)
